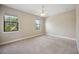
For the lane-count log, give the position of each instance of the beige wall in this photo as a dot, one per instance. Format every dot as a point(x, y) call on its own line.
point(77, 25)
point(62, 24)
point(26, 25)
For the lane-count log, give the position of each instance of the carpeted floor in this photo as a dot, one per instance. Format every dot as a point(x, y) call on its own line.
point(41, 45)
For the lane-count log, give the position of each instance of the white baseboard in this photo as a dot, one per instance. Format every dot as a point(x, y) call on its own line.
point(62, 36)
point(3, 43)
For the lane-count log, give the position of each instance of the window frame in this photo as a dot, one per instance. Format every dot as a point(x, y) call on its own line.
point(36, 25)
point(4, 23)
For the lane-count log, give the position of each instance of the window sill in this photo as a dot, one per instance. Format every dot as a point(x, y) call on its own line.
point(11, 32)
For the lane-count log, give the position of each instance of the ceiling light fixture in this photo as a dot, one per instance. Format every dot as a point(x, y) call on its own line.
point(43, 11)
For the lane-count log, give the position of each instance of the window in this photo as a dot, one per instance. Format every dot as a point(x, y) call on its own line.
point(10, 23)
point(37, 22)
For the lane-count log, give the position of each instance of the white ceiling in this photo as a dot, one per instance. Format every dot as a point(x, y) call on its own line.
point(50, 9)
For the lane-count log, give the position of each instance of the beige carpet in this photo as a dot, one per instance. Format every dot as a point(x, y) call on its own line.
point(41, 45)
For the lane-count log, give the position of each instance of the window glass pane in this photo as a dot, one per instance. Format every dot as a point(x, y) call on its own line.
point(10, 23)
point(37, 22)
point(7, 18)
point(13, 19)
point(37, 27)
